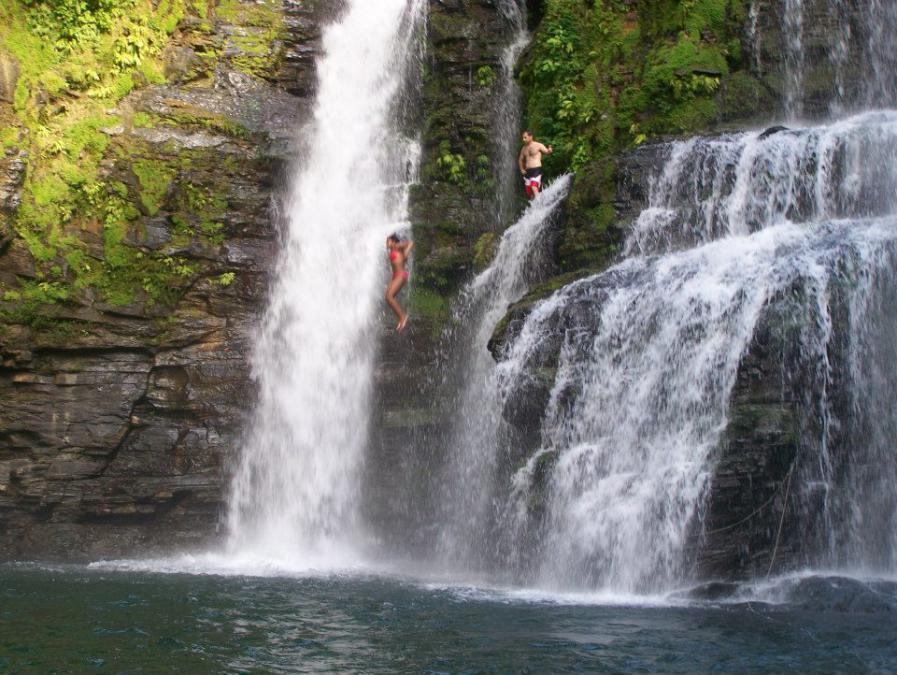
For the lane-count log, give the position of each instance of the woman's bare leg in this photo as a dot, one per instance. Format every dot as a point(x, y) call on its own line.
point(392, 289)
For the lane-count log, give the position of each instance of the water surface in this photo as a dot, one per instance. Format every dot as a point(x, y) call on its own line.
point(77, 619)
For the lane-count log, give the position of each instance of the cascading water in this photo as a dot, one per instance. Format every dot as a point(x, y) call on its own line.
point(737, 184)
point(295, 490)
point(793, 30)
point(863, 512)
point(845, 44)
point(644, 371)
point(641, 360)
point(466, 516)
point(507, 119)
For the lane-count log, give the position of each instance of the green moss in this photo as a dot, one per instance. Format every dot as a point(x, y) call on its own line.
point(426, 302)
point(258, 50)
point(192, 117)
point(52, 82)
point(200, 8)
point(32, 303)
point(484, 250)
point(9, 136)
point(85, 57)
point(142, 119)
point(155, 178)
point(48, 190)
point(152, 72)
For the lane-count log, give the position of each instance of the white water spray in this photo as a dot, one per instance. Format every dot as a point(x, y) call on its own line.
point(737, 184)
point(649, 355)
point(475, 442)
point(507, 118)
point(295, 490)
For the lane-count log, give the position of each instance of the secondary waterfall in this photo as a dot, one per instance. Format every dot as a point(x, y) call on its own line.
point(507, 119)
point(848, 43)
point(466, 518)
point(645, 357)
point(295, 490)
point(632, 370)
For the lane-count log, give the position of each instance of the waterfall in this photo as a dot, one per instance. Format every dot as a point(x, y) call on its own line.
point(295, 489)
point(475, 444)
point(647, 357)
point(793, 31)
point(880, 19)
point(632, 371)
point(740, 183)
point(847, 42)
point(642, 360)
point(507, 119)
point(863, 513)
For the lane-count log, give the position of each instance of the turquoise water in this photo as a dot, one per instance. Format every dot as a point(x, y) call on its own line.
point(77, 619)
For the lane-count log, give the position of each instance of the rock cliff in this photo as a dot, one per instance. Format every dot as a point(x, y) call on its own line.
point(124, 374)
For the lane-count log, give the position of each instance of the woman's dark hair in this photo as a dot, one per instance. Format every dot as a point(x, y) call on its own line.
point(395, 237)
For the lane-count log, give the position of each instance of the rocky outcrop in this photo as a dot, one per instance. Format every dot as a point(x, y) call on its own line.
point(120, 413)
point(451, 208)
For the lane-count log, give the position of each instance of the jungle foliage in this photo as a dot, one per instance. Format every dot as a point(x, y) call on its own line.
point(603, 75)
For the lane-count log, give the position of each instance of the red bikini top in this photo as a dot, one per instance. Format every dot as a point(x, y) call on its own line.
point(393, 254)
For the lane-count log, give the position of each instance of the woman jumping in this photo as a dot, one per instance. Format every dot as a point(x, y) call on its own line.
point(398, 254)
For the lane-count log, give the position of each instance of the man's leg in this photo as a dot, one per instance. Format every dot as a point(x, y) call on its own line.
point(537, 185)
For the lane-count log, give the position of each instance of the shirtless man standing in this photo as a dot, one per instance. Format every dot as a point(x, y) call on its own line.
point(530, 163)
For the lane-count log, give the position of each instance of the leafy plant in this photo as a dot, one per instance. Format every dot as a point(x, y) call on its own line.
point(453, 165)
point(485, 76)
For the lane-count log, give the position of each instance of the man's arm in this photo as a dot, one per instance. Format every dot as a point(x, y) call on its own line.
point(545, 150)
point(520, 161)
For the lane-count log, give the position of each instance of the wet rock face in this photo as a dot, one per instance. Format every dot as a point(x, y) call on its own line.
point(456, 201)
point(832, 68)
point(117, 420)
point(741, 536)
point(449, 213)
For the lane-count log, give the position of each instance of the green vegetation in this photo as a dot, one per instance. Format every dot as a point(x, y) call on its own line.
point(484, 250)
point(261, 28)
point(77, 60)
point(155, 179)
point(485, 76)
point(606, 74)
point(429, 304)
point(88, 187)
point(603, 76)
point(452, 165)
